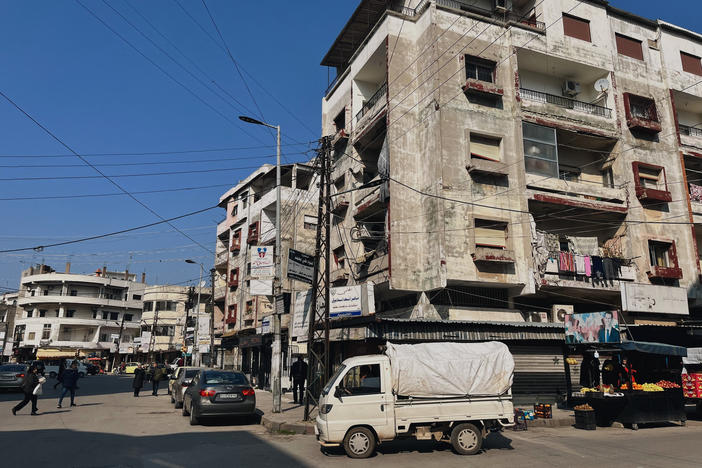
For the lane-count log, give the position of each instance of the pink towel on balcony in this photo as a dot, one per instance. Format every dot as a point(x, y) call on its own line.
point(588, 266)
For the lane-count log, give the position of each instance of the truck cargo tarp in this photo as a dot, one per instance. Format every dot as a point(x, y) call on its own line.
point(450, 369)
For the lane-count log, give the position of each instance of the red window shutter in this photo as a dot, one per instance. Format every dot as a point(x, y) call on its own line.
point(629, 47)
point(576, 27)
point(691, 63)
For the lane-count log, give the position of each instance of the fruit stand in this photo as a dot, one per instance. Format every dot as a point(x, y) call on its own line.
point(692, 378)
point(658, 400)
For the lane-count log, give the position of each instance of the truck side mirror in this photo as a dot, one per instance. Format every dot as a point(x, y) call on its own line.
point(338, 393)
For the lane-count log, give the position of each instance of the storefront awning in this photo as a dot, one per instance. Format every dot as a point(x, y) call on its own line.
point(653, 348)
point(58, 354)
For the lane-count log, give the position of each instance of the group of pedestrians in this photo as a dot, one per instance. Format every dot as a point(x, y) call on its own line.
point(143, 373)
point(33, 381)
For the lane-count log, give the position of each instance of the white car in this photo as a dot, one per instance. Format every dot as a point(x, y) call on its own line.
point(53, 369)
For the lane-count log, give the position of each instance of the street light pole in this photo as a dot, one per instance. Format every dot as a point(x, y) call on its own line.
point(277, 354)
point(196, 343)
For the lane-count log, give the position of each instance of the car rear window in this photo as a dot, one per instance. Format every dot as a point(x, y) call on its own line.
point(231, 378)
point(190, 373)
point(11, 368)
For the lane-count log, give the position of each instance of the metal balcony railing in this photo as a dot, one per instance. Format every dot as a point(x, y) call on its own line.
point(568, 103)
point(467, 5)
point(690, 131)
point(370, 103)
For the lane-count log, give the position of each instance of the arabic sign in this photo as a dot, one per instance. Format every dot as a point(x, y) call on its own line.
point(262, 265)
point(300, 266)
point(301, 314)
point(652, 298)
point(259, 287)
point(351, 301)
point(592, 327)
point(266, 326)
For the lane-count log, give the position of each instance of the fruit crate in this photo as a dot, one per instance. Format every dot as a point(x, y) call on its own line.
point(543, 411)
point(585, 419)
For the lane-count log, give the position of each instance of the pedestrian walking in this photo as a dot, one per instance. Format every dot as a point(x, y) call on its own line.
point(299, 374)
point(31, 387)
point(159, 374)
point(59, 376)
point(138, 381)
point(70, 383)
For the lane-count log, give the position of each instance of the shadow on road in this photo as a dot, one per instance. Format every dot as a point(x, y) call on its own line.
point(189, 449)
point(92, 385)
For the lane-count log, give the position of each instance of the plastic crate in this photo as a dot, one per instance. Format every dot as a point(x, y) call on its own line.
point(585, 419)
point(543, 411)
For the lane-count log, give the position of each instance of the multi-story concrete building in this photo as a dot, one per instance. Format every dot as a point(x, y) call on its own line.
point(249, 222)
point(8, 314)
point(66, 314)
point(166, 319)
point(539, 158)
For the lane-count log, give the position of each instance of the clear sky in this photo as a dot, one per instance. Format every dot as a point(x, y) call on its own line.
point(108, 102)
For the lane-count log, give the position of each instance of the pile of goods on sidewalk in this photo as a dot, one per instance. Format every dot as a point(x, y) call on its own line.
point(584, 407)
point(692, 385)
point(667, 384)
point(543, 411)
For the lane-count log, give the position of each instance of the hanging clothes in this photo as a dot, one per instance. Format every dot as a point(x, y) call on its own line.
point(696, 192)
point(597, 268)
point(608, 266)
point(552, 265)
point(584, 245)
point(588, 266)
point(566, 262)
point(552, 242)
point(579, 264)
point(590, 371)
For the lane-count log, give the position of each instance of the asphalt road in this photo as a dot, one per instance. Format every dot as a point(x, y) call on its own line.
point(110, 428)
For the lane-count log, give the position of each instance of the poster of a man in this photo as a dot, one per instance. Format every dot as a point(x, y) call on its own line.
point(592, 327)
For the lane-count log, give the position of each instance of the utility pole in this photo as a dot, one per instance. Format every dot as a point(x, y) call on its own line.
point(188, 306)
point(196, 339)
point(213, 356)
point(318, 360)
point(119, 342)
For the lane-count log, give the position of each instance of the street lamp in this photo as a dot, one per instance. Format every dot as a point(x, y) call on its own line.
point(196, 343)
point(277, 355)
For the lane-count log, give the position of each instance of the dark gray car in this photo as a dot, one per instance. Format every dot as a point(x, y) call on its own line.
point(183, 377)
point(12, 376)
point(219, 393)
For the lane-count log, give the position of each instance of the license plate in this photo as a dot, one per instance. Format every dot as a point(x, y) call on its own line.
point(6, 377)
point(228, 396)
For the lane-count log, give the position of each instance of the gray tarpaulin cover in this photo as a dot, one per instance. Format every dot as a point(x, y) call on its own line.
point(450, 369)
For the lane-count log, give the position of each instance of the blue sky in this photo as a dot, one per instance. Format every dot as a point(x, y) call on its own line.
point(99, 95)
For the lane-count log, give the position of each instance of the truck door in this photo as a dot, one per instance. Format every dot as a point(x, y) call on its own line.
point(364, 397)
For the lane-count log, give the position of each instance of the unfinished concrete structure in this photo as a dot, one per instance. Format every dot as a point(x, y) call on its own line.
point(250, 221)
point(516, 139)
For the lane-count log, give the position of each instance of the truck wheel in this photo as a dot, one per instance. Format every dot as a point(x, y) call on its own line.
point(359, 442)
point(466, 439)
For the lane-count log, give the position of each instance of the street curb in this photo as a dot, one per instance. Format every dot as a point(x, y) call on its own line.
point(560, 422)
point(295, 428)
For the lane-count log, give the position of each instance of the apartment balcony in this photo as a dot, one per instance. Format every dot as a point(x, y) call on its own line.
point(565, 103)
point(586, 196)
point(659, 272)
point(688, 109)
point(371, 109)
point(690, 131)
point(340, 274)
point(222, 228)
point(493, 255)
point(80, 300)
point(221, 260)
point(339, 203)
point(220, 293)
point(557, 277)
point(368, 201)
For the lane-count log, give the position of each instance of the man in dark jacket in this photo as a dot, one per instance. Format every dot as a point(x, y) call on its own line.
point(61, 370)
point(138, 381)
point(159, 375)
point(31, 380)
point(298, 371)
point(70, 383)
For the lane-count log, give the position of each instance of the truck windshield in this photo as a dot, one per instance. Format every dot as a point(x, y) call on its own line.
point(333, 378)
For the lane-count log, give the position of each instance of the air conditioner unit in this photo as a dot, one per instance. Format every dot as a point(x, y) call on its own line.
point(538, 317)
point(571, 88)
point(559, 311)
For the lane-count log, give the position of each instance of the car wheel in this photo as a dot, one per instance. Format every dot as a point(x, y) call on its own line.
point(184, 409)
point(52, 375)
point(194, 420)
point(466, 439)
point(359, 442)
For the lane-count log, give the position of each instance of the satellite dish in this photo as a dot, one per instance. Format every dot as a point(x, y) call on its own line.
point(602, 85)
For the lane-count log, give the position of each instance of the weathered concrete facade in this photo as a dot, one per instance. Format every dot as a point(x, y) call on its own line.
point(516, 125)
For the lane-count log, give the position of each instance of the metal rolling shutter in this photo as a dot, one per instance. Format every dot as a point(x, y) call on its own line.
point(539, 369)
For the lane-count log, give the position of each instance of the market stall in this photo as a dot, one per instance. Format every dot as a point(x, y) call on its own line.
point(630, 382)
point(692, 378)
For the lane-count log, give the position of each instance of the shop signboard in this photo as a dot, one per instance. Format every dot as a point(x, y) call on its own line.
point(301, 314)
point(351, 301)
point(262, 265)
point(266, 326)
point(300, 266)
point(145, 341)
point(651, 298)
point(592, 327)
point(261, 287)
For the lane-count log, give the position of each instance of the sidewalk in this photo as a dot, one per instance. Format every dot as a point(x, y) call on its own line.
point(289, 420)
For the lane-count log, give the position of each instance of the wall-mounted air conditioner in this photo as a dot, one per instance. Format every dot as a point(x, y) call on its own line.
point(571, 88)
point(559, 311)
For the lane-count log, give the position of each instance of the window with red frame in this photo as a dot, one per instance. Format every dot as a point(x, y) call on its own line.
point(253, 231)
point(576, 27)
point(642, 107)
point(691, 63)
point(234, 277)
point(249, 307)
point(236, 240)
point(663, 258)
point(650, 182)
point(231, 314)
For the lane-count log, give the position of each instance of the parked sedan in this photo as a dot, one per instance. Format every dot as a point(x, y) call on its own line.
point(179, 382)
point(218, 393)
point(130, 367)
point(12, 376)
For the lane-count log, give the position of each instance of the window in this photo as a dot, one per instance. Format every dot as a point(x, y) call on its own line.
point(128, 317)
point(651, 177)
point(490, 234)
point(340, 120)
point(608, 177)
point(310, 222)
point(642, 108)
point(691, 63)
point(629, 47)
point(31, 336)
point(362, 380)
point(114, 315)
point(235, 210)
point(95, 314)
point(148, 305)
point(244, 199)
point(105, 315)
point(165, 306)
point(540, 150)
point(42, 313)
point(231, 314)
point(136, 297)
point(70, 313)
point(249, 307)
point(480, 69)
point(74, 292)
point(234, 277)
point(658, 253)
point(484, 147)
point(46, 292)
point(30, 313)
point(576, 27)
point(663, 258)
point(650, 182)
point(103, 337)
point(46, 331)
point(236, 241)
point(253, 232)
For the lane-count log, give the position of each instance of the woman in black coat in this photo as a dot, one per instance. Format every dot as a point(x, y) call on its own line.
point(31, 380)
point(138, 380)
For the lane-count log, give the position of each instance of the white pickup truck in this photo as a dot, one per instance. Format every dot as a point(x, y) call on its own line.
point(451, 392)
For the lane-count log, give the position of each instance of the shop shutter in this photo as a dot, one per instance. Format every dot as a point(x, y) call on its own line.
point(539, 369)
point(629, 47)
point(485, 147)
point(490, 233)
point(691, 63)
point(576, 27)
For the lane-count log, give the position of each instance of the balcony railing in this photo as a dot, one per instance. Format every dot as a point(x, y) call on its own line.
point(690, 131)
point(568, 103)
point(467, 5)
point(370, 103)
point(399, 7)
point(222, 258)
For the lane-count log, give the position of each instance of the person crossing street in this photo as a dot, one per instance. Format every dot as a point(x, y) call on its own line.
point(70, 383)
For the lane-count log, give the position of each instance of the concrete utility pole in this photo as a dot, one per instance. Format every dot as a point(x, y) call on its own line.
point(196, 340)
point(119, 342)
point(277, 354)
point(213, 356)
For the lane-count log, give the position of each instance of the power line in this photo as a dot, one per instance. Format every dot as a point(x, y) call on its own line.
point(115, 194)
